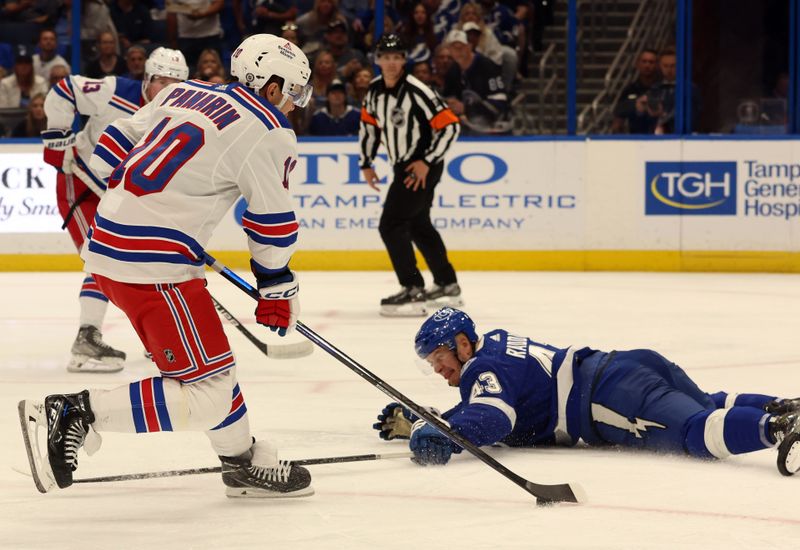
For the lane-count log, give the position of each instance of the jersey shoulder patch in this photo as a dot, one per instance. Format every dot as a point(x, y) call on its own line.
point(127, 95)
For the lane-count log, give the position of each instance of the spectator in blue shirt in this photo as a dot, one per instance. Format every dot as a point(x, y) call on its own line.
point(336, 118)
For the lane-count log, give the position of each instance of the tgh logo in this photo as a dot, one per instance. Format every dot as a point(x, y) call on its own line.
point(690, 188)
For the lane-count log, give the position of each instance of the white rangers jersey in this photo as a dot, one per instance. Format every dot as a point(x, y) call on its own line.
point(176, 167)
point(103, 100)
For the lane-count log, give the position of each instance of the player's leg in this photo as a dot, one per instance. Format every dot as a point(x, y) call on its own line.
point(445, 290)
point(394, 228)
point(665, 410)
point(768, 403)
point(77, 205)
point(634, 404)
point(198, 391)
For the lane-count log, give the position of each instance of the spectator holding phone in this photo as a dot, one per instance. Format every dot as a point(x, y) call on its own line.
point(630, 114)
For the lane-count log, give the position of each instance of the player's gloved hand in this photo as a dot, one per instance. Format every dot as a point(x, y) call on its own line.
point(58, 148)
point(395, 421)
point(429, 446)
point(278, 306)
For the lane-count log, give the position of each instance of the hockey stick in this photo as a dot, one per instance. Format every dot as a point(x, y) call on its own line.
point(545, 494)
point(273, 351)
point(218, 469)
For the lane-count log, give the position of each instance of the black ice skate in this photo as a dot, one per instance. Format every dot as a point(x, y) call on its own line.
point(247, 480)
point(91, 354)
point(782, 406)
point(65, 421)
point(785, 430)
point(443, 296)
point(409, 302)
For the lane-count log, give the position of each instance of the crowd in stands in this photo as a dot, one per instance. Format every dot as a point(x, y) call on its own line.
point(647, 104)
point(470, 51)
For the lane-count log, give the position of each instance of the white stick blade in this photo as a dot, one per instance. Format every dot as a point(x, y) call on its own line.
point(290, 351)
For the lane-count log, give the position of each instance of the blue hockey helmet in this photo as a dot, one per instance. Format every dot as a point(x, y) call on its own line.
point(440, 329)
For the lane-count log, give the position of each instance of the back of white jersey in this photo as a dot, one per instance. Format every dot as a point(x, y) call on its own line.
point(176, 167)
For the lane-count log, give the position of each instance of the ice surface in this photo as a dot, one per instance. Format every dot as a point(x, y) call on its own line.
point(733, 332)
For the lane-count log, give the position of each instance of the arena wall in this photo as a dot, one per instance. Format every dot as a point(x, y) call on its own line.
point(666, 204)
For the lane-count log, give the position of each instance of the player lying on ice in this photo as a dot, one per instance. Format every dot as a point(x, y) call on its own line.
point(174, 170)
point(522, 393)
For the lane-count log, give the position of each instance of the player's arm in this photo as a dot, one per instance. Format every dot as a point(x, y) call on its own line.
point(485, 416)
point(271, 227)
point(70, 96)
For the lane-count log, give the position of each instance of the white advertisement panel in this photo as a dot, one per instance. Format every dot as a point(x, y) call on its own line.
point(568, 195)
point(493, 196)
point(27, 191)
point(693, 195)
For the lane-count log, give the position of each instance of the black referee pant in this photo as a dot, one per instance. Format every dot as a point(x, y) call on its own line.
point(406, 219)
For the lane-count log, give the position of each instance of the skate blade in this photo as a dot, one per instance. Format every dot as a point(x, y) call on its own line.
point(445, 301)
point(406, 310)
point(83, 363)
point(31, 419)
point(789, 457)
point(249, 492)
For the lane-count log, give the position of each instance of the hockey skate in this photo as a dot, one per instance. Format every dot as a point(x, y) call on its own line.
point(60, 426)
point(246, 477)
point(91, 354)
point(782, 406)
point(409, 302)
point(785, 430)
point(443, 296)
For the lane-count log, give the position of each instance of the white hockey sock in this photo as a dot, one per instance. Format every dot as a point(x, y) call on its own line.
point(164, 404)
point(93, 310)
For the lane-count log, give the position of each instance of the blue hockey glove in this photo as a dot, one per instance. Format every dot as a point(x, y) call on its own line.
point(395, 421)
point(429, 446)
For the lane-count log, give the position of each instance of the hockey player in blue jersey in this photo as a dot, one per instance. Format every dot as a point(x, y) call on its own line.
point(522, 393)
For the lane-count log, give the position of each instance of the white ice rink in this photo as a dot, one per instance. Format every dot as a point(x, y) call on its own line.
point(730, 332)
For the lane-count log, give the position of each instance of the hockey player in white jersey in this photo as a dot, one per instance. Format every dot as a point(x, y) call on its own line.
point(173, 170)
point(79, 188)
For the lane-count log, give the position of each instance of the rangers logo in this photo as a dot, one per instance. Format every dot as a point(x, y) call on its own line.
point(398, 117)
point(169, 355)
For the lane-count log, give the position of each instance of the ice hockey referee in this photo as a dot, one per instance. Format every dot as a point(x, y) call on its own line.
point(417, 129)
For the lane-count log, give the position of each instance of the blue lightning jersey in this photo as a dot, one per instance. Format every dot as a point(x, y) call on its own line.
point(520, 392)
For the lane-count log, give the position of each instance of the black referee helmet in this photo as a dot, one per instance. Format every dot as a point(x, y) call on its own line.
point(390, 43)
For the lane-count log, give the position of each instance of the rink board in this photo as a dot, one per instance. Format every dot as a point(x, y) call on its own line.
point(518, 204)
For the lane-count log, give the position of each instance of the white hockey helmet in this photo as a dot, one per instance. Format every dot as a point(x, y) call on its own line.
point(164, 62)
point(262, 56)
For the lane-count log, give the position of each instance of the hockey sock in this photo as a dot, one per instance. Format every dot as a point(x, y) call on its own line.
point(724, 400)
point(232, 436)
point(93, 303)
point(163, 404)
point(723, 432)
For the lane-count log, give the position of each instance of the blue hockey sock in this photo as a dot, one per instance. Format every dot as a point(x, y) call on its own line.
point(723, 432)
point(723, 400)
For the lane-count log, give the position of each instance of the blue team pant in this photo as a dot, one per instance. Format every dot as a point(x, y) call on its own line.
point(641, 399)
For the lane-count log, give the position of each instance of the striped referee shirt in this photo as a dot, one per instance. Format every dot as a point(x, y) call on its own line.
point(412, 119)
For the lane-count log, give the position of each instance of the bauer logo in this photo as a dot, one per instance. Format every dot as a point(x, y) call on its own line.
point(690, 188)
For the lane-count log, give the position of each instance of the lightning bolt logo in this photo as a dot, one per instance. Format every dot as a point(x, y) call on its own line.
point(613, 418)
